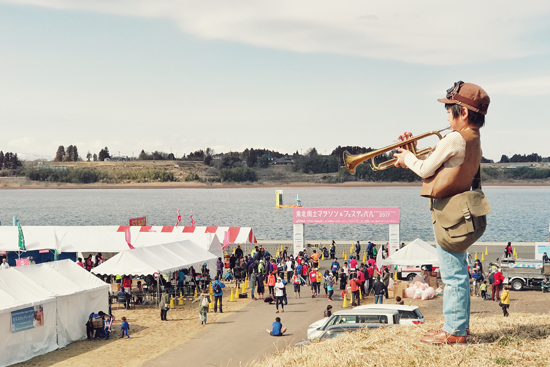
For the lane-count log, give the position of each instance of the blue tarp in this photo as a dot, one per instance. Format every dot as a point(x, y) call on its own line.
point(38, 257)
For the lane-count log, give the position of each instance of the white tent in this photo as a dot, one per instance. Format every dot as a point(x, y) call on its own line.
point(20, 298)
point(152, 259)
point(113, 239)
point(417, 252)
point(78, 292)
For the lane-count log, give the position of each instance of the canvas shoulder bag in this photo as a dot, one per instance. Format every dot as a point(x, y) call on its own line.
point(460, 220)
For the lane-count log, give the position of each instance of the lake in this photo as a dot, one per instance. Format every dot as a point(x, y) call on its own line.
point(519, 214)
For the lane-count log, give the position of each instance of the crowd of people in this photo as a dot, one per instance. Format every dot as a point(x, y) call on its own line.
point(273, 274)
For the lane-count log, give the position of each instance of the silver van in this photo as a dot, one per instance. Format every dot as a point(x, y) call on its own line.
point(354, 316)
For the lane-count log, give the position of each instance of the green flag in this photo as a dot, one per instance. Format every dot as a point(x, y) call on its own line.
point(21, 238)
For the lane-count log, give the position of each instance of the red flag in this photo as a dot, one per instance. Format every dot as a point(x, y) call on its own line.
point(192, 221)
point(127, 237)
point(179, 218)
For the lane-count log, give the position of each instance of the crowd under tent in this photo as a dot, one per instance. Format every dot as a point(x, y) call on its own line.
point(78, 293)
point(415, 253)
point(27, 318)
point(156, 259)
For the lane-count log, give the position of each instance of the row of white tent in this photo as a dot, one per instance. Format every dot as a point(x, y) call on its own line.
point(68, 293)
point(114, 238)
point(64, 293)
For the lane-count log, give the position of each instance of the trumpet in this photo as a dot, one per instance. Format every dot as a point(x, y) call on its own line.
point(352, 161)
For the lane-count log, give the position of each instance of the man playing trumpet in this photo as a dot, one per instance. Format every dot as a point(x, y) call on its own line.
point(449, 170)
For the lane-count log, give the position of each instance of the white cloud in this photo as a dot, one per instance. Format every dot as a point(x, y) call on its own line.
point(424, 32)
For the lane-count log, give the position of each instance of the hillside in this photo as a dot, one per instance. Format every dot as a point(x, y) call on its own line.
point(162, 173)
point(519, 340)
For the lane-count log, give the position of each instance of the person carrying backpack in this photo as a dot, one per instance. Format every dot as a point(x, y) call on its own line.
point(218, 294)
point(204, 301)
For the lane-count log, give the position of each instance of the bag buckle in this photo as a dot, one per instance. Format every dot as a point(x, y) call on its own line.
point(466, 213)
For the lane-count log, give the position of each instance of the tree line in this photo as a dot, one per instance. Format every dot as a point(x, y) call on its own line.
point(71, 154)
point(9, 160)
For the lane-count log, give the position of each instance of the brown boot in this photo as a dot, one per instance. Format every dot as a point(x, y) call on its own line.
point(443, 338)
point(435, 331)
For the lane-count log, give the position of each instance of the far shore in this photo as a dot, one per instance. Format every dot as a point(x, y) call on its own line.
point(7, 183)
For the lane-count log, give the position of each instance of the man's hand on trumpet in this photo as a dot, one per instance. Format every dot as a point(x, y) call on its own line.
point(401, 152)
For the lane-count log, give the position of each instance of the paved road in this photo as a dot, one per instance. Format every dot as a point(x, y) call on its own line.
point(240, 338)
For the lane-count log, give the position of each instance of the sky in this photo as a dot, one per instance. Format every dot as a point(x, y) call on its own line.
point(178, 76)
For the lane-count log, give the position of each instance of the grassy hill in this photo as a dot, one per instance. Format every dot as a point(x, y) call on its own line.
point(519, 340)
point(185, 173)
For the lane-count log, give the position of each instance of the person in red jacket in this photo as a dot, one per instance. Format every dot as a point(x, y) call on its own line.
point(495, 288)
point(127, 284)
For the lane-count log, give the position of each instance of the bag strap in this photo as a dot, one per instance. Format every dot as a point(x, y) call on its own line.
point(476, 182)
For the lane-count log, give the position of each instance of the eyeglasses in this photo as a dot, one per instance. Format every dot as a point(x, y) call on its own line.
point(451, 92)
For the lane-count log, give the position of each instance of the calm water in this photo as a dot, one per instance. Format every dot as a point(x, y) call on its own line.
point(519, 214)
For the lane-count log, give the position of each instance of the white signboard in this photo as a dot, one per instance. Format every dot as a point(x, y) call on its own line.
point(394, 239)
point(299, 238)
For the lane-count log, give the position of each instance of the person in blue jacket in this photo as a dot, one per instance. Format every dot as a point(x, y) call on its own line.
point(335, 266)
point(218, 294)
point(278, 329)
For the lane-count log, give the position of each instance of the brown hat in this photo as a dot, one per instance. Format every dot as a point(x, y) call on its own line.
point(468, 95)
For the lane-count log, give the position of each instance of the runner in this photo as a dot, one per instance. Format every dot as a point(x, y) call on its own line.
point(335, 266)
point(289, 269)
point(343, 283)
point(315, 258)
point(313, 282)
point(279, 295)
point(297, 280)
point(271, 283)
point(260, 284)
point(354, 284)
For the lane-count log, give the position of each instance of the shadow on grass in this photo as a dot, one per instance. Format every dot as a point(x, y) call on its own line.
point(513, 335)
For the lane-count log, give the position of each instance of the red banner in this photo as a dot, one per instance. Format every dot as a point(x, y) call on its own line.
point(138, 221)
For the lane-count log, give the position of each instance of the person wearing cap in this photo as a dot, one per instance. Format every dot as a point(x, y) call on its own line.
point(31, 261)
point(449, 170)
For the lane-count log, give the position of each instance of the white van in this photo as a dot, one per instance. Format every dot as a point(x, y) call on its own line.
point(354, 316)
point(409, 315)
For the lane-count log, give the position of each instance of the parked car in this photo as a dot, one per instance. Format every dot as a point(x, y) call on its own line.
point(335, 331)
point(410, 315)
point(354, 316)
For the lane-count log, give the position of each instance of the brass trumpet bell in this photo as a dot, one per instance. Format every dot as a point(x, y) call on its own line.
point(352, 161)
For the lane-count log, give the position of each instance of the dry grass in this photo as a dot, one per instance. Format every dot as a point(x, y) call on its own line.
point(149, 337)
point(520, 340)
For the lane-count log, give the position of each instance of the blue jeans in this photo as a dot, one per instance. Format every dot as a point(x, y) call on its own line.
point(456, 295)
point(379, 298)
point(252, 291)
